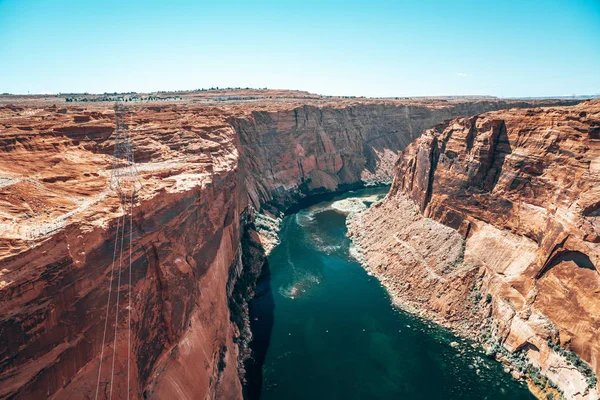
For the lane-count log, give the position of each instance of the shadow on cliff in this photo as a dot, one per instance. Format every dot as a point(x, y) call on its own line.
point(580, 259)
point(393, 141)
point(262, 309)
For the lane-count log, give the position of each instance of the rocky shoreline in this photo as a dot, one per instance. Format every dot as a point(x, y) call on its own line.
point(475, 326)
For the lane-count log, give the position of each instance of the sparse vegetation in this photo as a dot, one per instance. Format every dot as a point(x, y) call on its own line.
point(228, 89)
point(266, 223)
point(576, 361)
point(222, 363)
point(114, 97)
point(475, 295)
point(521, 363)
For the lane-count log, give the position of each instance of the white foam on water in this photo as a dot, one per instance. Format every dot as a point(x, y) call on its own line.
point(305, 219)
point(355, 253)
point(330, 249)
point(324, 245)
point(300, 288)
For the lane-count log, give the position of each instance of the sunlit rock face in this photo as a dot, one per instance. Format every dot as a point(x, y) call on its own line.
point(290, 153)
point(185, 234)
point(520, 190)
point(203, 169)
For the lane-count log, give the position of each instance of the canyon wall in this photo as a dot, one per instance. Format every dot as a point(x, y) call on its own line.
point(291, 153)
point(492, 227)
point(204, 170)
point(55, 283)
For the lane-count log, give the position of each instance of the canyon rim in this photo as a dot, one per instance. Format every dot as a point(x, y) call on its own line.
point(216, 178)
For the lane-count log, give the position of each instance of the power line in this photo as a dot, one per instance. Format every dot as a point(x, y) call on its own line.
point(125, 181)
point(112, 372)
point(108, 303)
point(130, 294)
point(129, 349)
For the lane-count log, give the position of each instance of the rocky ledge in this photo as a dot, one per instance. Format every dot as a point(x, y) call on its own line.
point(492, 228)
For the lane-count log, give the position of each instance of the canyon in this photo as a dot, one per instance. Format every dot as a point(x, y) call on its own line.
point(491, 228)
point(211, 170)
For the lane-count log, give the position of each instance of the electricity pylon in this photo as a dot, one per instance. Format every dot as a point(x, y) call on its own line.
point(124, 175)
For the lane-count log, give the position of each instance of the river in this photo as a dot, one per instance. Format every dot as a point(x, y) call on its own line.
point(324, 329)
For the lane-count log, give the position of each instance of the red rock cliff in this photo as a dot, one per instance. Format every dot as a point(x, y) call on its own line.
point(186, 233)
point(202, 167)
point(309, 149)
point(523, 188)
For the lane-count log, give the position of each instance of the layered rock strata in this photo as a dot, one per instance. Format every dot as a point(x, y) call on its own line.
point(492, 227)
point(204, 169)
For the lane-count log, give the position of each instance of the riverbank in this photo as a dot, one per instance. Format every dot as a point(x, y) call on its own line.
point(425, 268)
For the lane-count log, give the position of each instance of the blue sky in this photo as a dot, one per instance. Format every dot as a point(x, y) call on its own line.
point(371, 48)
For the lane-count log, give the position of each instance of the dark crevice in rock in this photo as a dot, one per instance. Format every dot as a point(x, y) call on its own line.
point(501, 149)
point(471, 134)
point(433, 161)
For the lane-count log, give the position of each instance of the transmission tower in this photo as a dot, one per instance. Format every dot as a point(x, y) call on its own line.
point(124, 175)
point(125, 181)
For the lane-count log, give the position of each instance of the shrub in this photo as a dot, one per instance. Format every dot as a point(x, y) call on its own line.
point(222, 363)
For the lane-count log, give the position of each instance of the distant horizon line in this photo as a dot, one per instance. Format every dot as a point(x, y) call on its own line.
point(265, 89)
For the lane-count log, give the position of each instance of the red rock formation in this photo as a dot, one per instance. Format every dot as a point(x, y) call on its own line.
point(307, 149)
point(202, 167)
point(523, 188)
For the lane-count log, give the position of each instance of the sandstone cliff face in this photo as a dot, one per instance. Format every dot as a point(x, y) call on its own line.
point(309, 149)
point(518, 193)
point(203, 169)
point(55, 283)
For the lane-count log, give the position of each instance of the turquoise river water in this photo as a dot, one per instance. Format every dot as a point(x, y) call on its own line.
point(324, 329)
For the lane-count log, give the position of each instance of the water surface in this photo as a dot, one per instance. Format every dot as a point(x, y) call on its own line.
point(325, 329)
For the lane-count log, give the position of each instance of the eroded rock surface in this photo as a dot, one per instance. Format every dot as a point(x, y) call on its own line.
point(204, 169)
point(492, 228)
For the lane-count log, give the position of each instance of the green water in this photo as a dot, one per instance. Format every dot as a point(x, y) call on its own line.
point(324, 329)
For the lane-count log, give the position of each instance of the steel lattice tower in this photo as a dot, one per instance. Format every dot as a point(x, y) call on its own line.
point(124, 176)
point(124, 180)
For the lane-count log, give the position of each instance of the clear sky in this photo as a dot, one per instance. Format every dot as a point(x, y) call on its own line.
point(371, 48)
